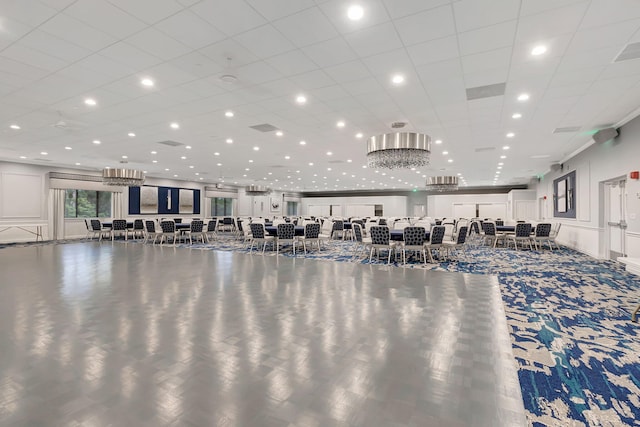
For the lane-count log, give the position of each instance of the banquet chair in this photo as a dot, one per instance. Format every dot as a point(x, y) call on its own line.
point(138, 228)
point(211, 229)
point(522, 235)
point(150, 231)
point(311, 235)
point(326, 231)
point(543, 230)
point(168, 231)
point(97, 230)
point(196, 230)
point(456, 244)
point(228, 224)
point(381, 239)
point(413, 240)
point(490, 236)
point(554, 233)
point(435, 240)
point(119, 226)
point(87, 225)
point(449, 231)
point(286, 236)
point(338, 227)
point(258, 235)
point(361, 241)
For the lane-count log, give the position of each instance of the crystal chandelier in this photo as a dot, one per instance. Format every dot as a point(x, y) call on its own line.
point(401, 150)
point(442, 183)
point(257, 190)
point(123, 177)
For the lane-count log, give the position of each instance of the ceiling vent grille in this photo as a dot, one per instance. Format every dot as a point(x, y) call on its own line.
point(398, 125)
point(171, 143)
point(567, 129)
point(265, 127)
point(487, 91)
point(630, 51)
point(483, 149)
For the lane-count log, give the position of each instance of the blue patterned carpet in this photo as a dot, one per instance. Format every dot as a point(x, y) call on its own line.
point(569, 317)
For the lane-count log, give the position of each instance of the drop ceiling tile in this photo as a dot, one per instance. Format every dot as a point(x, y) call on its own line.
point(148, 11)
point(471, 14)
point(486, 77)
point(307, 27)
point(398, 9)
point(312, 80)
point(594, 58)
point(277, 9)
point(600, 37)
point(197, 65)
point(129, 55)
point(549, 24)
point(440, 70)
point(362, 86)
point(328, 93)
point(330, 52)
point(389, 63)
point(105, 17)
point(374, 40)
point(20, 53)
point(603, 13)
point(229, 54)
point(375, 13)
point(499, 58)
point(77, 32)
point(349, 71)
point(488, 38)
point(424, 26)
point(447, 91)
point(237, 18)
point(46, 43)
point(264, 41)
point(168, 75)
point(434, 51)
point(189, 29)
point(292, 62)
point(12, 30)
point(29, 13)
point(158, 44)
point(257, 72)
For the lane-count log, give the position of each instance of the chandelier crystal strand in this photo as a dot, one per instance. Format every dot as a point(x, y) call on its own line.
point(122, 177)
point(401, 150)
point(442, 183)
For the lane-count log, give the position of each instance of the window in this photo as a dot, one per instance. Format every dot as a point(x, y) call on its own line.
point(292, 208)
point(221, 206)
point(87, 204)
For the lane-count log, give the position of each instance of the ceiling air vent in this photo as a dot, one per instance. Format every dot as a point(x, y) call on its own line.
point(265, 127)
point(171, 143)
point(43, 160)
point(398, 125)
point(483, 149)
point(567, 129)
point(488, 91)
point(630, 51)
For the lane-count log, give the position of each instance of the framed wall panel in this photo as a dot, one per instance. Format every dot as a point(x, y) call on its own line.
point(564, 196)
point(148, 200)
point(14, 185)
point(186, 201)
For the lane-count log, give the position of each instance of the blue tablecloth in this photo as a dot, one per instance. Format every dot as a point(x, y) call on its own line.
point(273, 231)
point(110, 224)
point(398, 235)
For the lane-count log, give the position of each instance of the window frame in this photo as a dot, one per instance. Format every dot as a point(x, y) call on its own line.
point(227, 209)
point(96, 205)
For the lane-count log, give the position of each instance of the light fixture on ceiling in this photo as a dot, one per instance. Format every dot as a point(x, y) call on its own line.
point(122, 177)
point(355, 12)
point(442, 183)
point(257, 190)
point(538, 50)
point(147, 82)
point(400, 150)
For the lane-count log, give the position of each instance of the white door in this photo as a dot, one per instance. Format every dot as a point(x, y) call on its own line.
point(615, 209)
point(464, 210)
point(336, 210)
point(493, 210)
point(525, 210)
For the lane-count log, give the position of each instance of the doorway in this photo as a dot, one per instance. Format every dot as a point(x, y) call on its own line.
point(615, 212)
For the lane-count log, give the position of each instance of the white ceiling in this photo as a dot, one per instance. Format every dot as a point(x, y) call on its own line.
point(56, 53)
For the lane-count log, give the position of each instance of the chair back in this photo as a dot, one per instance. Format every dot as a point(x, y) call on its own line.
point(211, 225)
point(449, 230)
point(489, 228)
point(87, 224)
point(338, 225)
point(523, 229)
point(499, 222)
point(380, 235)
point(119, 225)
point(555, 230)
point(227, 221)
point(177, 220)
point(413, 236)
point(196, 226)
point(96, 225)
point(168, 226)
point(437, 235)
point(286, 231)
point(357, 231)
point(312, 230)
point(138, 224)
point(462, 235)
point(151, 226)
point(382, 221)
point(543, 229)
point(475, 228)
point(257, 230)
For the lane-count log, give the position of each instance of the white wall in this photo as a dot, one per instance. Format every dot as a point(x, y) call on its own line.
point(442, 205)
point(391, 205)
point(598, 163)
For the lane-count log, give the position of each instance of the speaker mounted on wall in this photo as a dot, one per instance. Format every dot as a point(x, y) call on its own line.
point(604, 135)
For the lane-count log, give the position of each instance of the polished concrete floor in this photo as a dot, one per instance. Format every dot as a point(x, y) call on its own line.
point(117, 334)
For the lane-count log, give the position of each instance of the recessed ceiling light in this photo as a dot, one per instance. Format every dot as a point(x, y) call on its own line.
point(250, 161)
point(125, 157)
point(355, 12)
point(506, 147)
point(503, 157)
point(188, 147)
point(349, 160)
point(329, 169)
point(450, 160)
point(174, 125)
point(15, 127)
point(154, 161)
point(397, 79)
point(183, 157)
point(44, 153)
point(201, 178)
point(229, 141)
point(147, 82)
point(516, 116)
point(359, 135)
point(303, 142)
point(77, 164)
point(219, 164)
point(287, 157)
point(340, 124)
point(23, 157)
point(191, 167)
point(167, 169)
point(247, 169)
point(523, 97)
point(438, 141)
point(499, 167)
point(216, 154)
point(279, 133)
point(90, 101)
point(301, 99)
point(538, 50)
point(501, 163)
point(68, 148)
point(329, 153)
point(131, 134)
point(511, 135)
point(444, 153)
point(256, 148)
point(459, 174)
point(175, 176)
point(229, 114)
point(310, 163)
point(154, 152)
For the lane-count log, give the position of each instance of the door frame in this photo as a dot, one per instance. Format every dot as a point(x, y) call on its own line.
point(607, 229)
